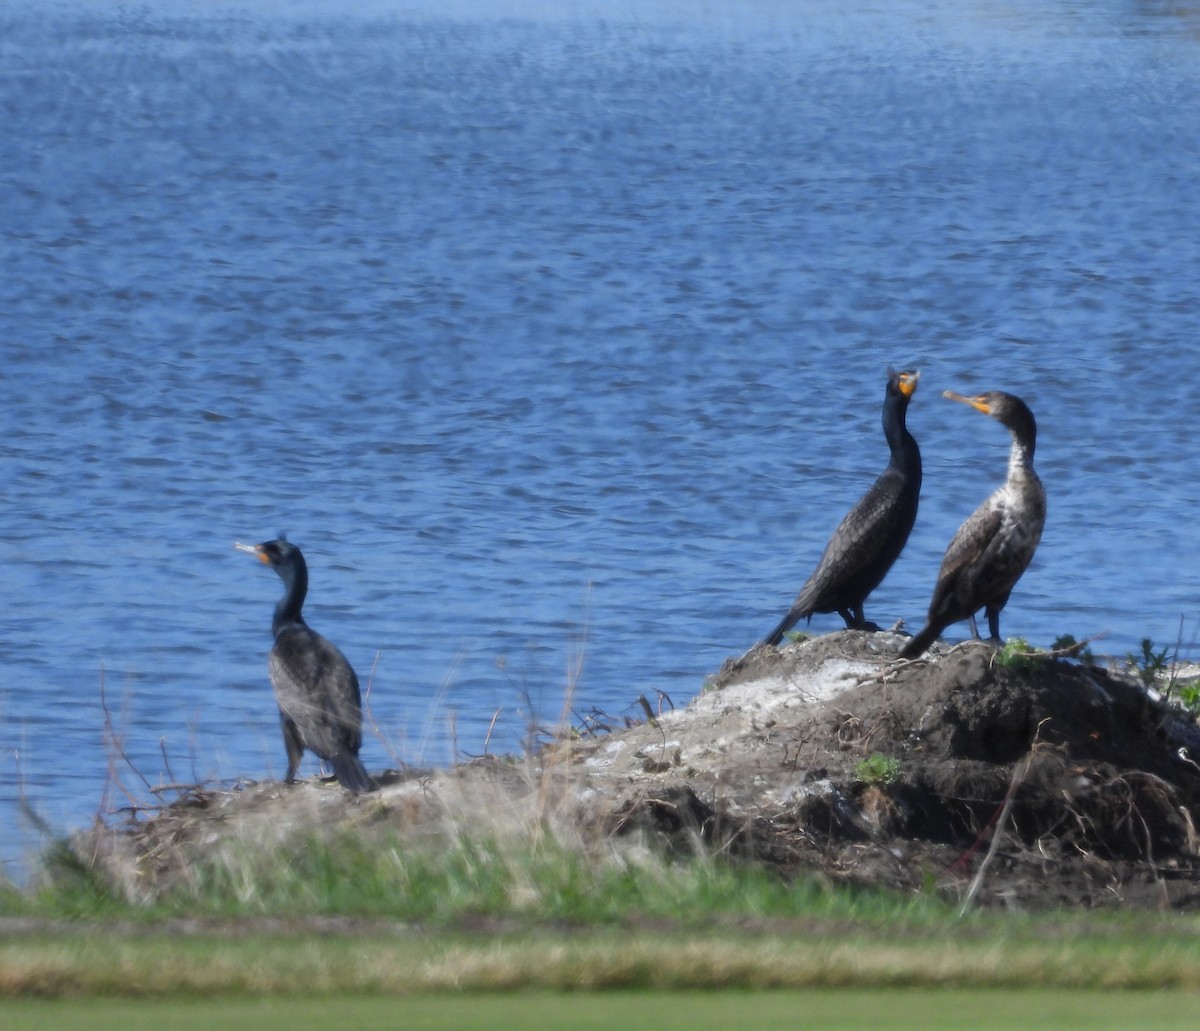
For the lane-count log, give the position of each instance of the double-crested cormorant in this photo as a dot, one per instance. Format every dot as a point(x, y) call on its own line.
point(869, 540)
point(319, 703)
point(994, 546)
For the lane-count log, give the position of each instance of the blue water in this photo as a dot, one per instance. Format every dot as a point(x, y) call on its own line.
point(556, 335)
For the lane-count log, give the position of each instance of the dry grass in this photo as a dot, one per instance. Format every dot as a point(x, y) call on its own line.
point(401, 961)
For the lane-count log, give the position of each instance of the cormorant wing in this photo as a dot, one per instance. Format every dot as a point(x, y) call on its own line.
point(862, 535)
point(317, 689)
point(966, 548)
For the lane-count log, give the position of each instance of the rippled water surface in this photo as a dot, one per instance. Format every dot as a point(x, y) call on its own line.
point(556, 336)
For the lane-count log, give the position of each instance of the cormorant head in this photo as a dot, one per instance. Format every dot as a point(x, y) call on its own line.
point(281, 555)
point(1005, 408)
point(904, 382)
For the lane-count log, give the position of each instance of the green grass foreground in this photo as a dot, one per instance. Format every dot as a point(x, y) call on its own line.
point(368, 919)
point(832, 1010)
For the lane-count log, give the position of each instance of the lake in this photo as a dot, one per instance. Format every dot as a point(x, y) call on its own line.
point(556, 335)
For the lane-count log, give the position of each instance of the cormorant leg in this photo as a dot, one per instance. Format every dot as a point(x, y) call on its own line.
point(856, 618)
point(974, 628)
point(993, 618)
point(294, 747)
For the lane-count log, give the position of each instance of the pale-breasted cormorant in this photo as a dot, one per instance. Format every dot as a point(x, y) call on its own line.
point(994, 546)
point(320, 707)
point(872, 535)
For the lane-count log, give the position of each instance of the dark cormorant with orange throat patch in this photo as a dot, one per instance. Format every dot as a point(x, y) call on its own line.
point(320, 707)
point(994, 546)
point(870, 538)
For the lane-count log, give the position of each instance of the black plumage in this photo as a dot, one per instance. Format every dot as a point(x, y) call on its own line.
point(870, 538)
point(320, 707)
point(994, 546)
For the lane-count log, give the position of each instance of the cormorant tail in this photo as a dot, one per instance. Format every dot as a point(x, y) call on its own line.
point(919, 645)
point(790, 620)
point(351, 773)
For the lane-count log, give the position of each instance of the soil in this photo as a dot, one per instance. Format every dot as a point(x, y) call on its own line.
point(1051, 782)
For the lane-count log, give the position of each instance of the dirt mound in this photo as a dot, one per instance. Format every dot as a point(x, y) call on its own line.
point(1030, 782)
point(1063, 782)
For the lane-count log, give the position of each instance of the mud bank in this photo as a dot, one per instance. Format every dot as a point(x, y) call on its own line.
point(1048, 782)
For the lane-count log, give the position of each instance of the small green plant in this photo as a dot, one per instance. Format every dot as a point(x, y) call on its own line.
point(1150, 665)
point(877, 769)
point(1018, 654)
point(796, 636)
point(1189, 696)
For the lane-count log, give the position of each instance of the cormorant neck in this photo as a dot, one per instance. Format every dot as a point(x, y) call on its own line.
point(895, 430)
point(295, 587)
point(1024, 443)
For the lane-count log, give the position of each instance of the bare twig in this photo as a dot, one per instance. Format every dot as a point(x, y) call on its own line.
point(997, 822)
point(437, 702)
point(162, 747)
point(116, 748)
point(1020, 771)
point(487, 740)
point(162, 789)
point(1071, 650)
point(369, 713)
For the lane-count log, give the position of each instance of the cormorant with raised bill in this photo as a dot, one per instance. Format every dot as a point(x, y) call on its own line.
point(320, 707)
point(870, 538)
point(994, 546)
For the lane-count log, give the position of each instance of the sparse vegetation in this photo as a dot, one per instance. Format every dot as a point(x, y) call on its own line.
point(1019, 654)
point(1067, 646)
point(1189, 696)
point(877, 770)
point(1151, 665)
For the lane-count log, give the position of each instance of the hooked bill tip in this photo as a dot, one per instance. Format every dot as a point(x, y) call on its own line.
point(974, 402)
point(254, 549)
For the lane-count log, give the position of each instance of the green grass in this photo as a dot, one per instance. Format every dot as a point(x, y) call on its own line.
point(363, 913)
point(378, 874)
point(897, 1010)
